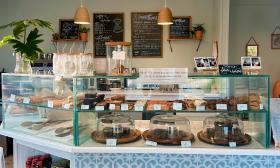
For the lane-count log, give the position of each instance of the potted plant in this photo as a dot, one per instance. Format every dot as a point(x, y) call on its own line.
point(84, 33)
point(25, 39)
point(198, 31)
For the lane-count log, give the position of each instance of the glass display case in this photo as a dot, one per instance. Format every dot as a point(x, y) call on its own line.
point(80, 110)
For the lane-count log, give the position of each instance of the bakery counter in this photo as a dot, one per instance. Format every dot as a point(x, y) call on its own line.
point(138, 153)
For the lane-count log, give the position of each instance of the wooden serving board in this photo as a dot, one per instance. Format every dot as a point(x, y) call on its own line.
point(203, 137)
point(147, 135)
point(134, 136)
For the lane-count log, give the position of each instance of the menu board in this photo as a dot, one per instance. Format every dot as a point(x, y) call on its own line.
point(146, 35)
point(181, 28)
point(106, 27)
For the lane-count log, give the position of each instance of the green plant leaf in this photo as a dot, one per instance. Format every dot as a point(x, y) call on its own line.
point(5, 40)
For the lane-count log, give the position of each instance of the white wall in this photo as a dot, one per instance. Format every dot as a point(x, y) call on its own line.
point(52, 10)
point(257, 18)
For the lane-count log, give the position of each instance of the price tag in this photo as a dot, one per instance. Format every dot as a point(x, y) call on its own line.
point(118, 55)
point(151, 143)
point(124, 107)
point(177, 106)
point(99, 108)
point(186, 144)
point(138, 107)
point(242, 107)
point(200, 108)
point(111, 142)
point(50, 104)
point(13, 98)
point(112, 107)
point(221, 106)
point(84, 107)
point(66, 106)
point(26, 100)
point(157, 107)
point(232, 144)
point(261, 107)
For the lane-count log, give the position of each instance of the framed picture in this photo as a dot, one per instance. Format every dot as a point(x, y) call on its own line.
point(256, 63)
point(275, 41)
point(246, 62)
point(252, 50)
point(201, 63)
point(68, 30)
point(212, 62)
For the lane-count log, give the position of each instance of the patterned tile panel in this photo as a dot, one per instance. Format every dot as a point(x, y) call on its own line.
point(147, 160)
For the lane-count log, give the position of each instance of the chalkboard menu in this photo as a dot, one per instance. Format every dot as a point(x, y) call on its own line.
point(106, 27)
point(146, 35)
point(230, 69)
point(181, 28)
point(68, 30)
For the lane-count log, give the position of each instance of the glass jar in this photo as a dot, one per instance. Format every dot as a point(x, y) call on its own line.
point(118, 58)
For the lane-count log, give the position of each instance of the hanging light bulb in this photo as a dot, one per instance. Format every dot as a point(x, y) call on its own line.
point(81, 15)
point(165, 16)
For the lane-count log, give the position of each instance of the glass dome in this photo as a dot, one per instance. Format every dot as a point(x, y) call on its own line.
point(169, 129)
point(116, 126)
point(222, 129)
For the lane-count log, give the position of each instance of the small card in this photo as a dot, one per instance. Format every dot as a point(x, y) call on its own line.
point(242, 107)
point(226, 131)
point(66, 106)
point(26, 100)
point(221, 106)
point(138, 107)
point(84, 107)
point(232, 144)
point(200, 108)
point(261, 107)
point(177, 106)
point(112, 107)
point(13, 98)
point(157, 107)
point(124, 107)
point(186, 144)
point(151, 143)
point(50, 104)
point(111, 142)
point(99, 108)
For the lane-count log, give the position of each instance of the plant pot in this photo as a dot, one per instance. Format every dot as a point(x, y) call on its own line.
point(22, 66)
point(84, 36)
point(198, 35)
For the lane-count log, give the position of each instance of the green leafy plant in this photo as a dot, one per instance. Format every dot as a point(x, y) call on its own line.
point(25, 37)
point(84, 29)
point(198, 27)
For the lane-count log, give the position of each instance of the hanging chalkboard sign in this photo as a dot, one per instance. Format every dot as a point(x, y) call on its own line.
point(106, 27)
point(146, 35)
point(68, 30)
point(230, 70)
point(181, 28)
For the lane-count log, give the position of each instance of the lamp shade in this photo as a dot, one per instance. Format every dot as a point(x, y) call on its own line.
point(82, 16)
point(165, 17)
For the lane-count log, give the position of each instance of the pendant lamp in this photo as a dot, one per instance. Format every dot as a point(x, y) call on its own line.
point(81, 15)
point(165, 16)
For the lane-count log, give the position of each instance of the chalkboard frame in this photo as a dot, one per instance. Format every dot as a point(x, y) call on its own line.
point(181, 37)
point(161, 36)
point(77, 37)
point(93, 22)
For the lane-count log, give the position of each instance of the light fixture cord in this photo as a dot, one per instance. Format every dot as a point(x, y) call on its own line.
point(82, 3)
point(165, 4)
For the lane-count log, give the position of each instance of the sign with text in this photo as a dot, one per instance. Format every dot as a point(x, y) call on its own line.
point(230, 69)
point(163, 75)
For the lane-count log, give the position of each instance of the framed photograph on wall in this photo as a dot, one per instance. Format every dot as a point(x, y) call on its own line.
point(68, 30)
point(252, 50)
point(275, 41)
point(275, 38)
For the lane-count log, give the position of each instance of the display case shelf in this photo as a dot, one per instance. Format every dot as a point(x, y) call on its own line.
point(101, 90)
